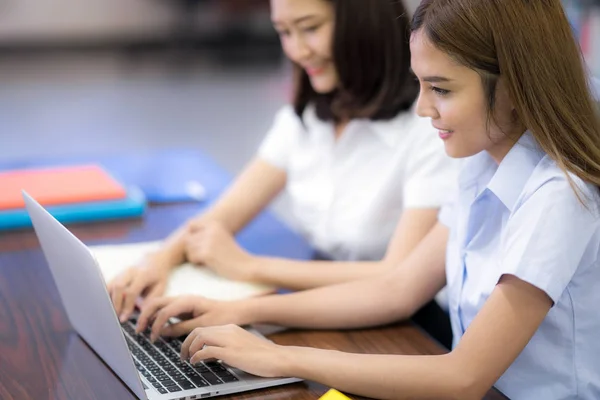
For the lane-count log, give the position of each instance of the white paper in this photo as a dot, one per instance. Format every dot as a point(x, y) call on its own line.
point(185, 279)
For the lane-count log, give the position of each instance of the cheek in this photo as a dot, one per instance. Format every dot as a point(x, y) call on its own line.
point(285, 46)
point(294, 48)
point(463, 113)
point(452, 113)
point(324, 42)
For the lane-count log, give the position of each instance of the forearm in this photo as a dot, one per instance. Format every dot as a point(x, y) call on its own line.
point(382, 299)
point(300, 275)
point(414, 225)
point(172, 251)
point(252, 191)
point(379, 376)
point(256, 186)
point(337, 306)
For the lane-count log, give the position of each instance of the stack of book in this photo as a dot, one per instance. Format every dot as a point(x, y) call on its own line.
point(80, 193)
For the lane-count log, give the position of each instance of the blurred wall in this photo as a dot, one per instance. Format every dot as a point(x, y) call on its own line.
point(80, 20)
point(85, 20)
point(411, 5)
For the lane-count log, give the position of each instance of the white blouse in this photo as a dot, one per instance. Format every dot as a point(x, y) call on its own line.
point(347, 195)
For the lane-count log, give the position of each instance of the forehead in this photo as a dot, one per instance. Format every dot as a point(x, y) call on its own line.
point(428, 60)
point(289, 10)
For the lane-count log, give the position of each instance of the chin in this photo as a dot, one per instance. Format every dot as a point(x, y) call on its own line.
point(323, 85)
point(457, 152)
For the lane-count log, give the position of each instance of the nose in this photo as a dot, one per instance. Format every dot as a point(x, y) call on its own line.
point(425, 107)
point(297, 48)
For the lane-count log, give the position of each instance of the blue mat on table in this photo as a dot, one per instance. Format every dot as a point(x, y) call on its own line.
point(175, 175)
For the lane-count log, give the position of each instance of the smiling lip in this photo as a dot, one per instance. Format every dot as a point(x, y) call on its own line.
point(444, 133)
point(314, 71)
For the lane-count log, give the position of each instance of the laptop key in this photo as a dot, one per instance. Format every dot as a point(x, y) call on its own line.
point(222, 374)
point(201, 368)
point(176, 345)
point(162, 390)
point(187, 385)
point(182, 366)
point(198, 381)
point(156, 385)
point(210, 378)
point(229, 378)
point(169, 383)
point(217, 368)
point(174, 389)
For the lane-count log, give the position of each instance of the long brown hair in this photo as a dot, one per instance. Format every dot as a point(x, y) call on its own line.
point(372, 56)
point(530, 44)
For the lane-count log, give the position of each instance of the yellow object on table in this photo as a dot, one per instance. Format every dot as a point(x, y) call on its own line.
point(333, 394)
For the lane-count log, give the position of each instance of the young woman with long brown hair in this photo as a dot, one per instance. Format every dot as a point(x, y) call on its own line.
point(504, 83)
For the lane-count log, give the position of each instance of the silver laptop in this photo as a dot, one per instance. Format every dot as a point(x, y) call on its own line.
point(150, 370)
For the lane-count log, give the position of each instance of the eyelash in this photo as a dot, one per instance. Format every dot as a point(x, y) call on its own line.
point(306, 30)
point(439, 91)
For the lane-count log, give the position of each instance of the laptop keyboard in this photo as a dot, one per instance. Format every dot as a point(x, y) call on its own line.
point(161, 365)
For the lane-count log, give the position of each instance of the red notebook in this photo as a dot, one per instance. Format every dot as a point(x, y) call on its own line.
point(56, 186)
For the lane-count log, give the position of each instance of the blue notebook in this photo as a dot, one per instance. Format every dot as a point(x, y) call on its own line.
point(131, 206)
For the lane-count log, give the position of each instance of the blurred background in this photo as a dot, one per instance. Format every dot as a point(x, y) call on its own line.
point(116, 76)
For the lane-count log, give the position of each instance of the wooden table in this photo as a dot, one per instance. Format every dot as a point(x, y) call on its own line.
point(42, 358)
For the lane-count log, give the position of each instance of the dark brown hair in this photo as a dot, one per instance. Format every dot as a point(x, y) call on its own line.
point(529, 43)
point(372, 57)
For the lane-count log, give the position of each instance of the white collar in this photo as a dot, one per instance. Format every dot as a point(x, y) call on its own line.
point(388, 131)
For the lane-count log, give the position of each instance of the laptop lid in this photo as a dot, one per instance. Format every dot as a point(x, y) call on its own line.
point(83, 294)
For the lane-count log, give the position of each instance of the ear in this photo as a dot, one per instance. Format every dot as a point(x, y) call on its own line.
point(503, 99)
point(505, 107)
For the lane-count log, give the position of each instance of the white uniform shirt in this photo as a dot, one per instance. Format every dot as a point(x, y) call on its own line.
point(347, 195)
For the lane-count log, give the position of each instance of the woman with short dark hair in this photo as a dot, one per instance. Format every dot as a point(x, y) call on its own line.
point(359, 166)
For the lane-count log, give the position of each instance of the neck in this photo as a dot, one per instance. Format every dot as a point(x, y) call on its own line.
point(340, 126)
point(501, 148)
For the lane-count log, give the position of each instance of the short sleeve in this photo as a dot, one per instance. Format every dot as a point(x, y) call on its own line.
point(431, 175)
point(281, 139)
point(550, 236)
point(447, 214)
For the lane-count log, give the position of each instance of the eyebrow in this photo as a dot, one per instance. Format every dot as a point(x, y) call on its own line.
point(297, 20)
point(435, 79)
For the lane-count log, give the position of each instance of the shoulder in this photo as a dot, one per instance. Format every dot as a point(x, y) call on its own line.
point(287, 116)
point(549, 187)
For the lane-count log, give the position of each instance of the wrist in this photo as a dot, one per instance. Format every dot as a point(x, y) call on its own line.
point(248, 311)
point(251, 269)
point(161, 260)
point(289, 361)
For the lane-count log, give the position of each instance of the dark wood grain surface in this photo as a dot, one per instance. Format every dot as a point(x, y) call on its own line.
point(42, 358)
